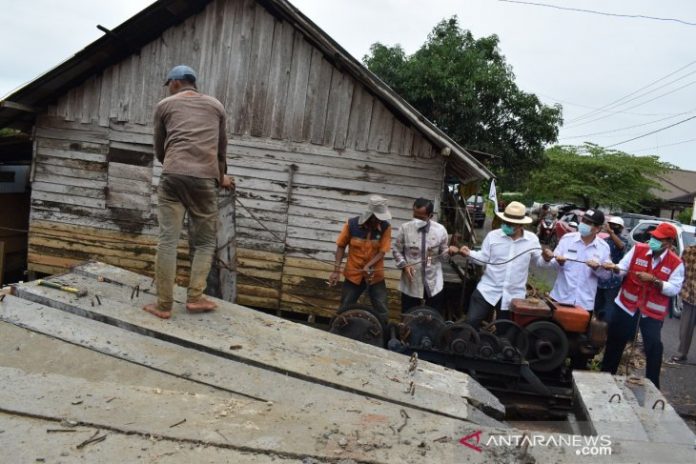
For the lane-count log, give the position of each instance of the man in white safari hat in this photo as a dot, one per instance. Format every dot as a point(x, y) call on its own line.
point(507, 253)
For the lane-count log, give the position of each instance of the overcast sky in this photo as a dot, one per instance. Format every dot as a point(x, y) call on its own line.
point(583, 61)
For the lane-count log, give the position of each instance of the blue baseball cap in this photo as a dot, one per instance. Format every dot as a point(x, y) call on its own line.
point(181, 73)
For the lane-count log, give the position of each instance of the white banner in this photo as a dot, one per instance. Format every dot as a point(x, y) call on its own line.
point(493, 196)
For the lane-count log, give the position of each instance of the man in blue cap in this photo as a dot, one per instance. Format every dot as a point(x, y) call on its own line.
point(191, 143)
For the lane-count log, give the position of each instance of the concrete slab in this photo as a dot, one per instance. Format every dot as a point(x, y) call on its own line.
point(246, 425)
point(26, 439)
point(606, 406)
point(272, 343)
point(659, 419)
point(134, 359)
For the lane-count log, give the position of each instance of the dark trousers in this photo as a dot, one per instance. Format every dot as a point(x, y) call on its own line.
point(377, 293)
point(622, 329)
point(435, 302)
point(604, 303)
point(480, 309)
point(686, 328)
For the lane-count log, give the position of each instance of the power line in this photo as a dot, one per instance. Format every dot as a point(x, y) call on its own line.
point(621, 100)
point(566, 102)
point(603, 13)
point(620, 129)
point(652, 132)
point(634, 106)
point(657, 147)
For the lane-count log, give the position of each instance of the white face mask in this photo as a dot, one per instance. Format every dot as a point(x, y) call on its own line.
point(420, 223)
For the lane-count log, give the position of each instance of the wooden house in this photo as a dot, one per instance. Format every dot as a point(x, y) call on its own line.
point(312, 133)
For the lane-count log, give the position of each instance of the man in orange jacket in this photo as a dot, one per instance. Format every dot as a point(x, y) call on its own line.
point(653, 274)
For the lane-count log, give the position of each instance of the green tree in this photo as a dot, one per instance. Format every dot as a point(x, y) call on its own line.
point(594, 176)
point(685, 216)
point(465, 86)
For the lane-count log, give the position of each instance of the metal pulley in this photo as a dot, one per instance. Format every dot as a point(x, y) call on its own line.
point(459, 338)
point(358, 322)
point(421, 327)
point(512, 335)
point(548, 346)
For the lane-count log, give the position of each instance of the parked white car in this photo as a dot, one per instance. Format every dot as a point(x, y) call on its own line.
point(685, 238)
point(641, 233)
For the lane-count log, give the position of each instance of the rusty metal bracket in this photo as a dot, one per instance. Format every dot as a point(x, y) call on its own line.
point(611, 399)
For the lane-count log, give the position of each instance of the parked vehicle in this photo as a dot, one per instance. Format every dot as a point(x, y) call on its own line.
point(547, 230)
point(686, 236)
point(568, 223)
point(474, 204)
point(641, 233)
point(632, 219)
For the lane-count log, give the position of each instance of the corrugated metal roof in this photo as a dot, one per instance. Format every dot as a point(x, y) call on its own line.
point(147, 25)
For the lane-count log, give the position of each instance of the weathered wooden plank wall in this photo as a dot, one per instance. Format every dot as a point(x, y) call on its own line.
point(308, 145)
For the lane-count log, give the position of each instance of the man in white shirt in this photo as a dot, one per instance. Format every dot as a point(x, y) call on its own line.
point(578, 259)
point(419, 249)
point(508, 252)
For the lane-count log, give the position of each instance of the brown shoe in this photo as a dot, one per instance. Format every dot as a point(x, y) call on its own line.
point(200, 305)
point(153, 309)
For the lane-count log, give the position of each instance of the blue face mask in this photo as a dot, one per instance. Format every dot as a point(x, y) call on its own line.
point(655, 245)
point(584, 229)
point(507, 229)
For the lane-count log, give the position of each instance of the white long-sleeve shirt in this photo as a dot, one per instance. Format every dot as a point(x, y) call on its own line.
point(576, 283)
point(506, 281)
point(670, 288)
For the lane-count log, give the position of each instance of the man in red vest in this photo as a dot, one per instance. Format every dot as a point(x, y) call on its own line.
point(653, 274)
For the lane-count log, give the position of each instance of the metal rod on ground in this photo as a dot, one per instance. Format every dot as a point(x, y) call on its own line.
point(62, 287)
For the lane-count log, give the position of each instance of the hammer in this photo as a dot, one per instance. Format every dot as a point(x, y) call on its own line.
point(64, 288)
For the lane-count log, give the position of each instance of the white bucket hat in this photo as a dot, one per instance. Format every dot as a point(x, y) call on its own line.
point(515, 214)
point(376, 206)
point(616, 220)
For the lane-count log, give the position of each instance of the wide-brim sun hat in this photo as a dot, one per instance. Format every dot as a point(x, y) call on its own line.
point(515, 214)
point(377, 207)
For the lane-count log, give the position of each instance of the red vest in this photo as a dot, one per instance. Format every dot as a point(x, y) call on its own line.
point(644, 295)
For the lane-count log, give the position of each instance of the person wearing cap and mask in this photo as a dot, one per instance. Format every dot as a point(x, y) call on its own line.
point(501, 283)
point(368, 238)
point(608, 286)
point(577, 259)
point(190, 140)
point(653, 274)
point(419, 249)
